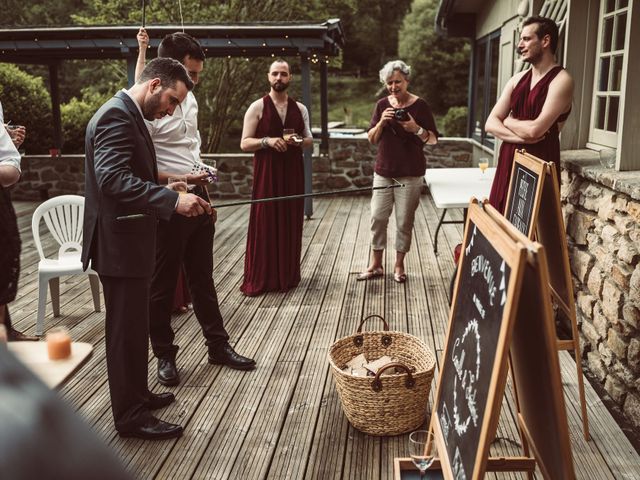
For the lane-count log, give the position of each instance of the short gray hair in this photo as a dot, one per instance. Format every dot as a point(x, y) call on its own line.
point(394, 66)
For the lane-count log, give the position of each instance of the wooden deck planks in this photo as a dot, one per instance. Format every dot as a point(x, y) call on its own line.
point(284, 420)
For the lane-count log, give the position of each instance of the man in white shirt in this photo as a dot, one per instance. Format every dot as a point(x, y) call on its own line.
point(9, 235)
point(187, 241)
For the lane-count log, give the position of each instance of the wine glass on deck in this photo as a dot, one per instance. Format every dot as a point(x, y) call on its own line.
point(607, 157)
point(418, 443)
point(483, 164)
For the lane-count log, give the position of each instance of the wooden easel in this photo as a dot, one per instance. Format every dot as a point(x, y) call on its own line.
point(533, 207)
point(501, 306)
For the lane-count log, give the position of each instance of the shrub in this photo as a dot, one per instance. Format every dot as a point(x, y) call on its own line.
point(454, 123)
point(75, 117)
point(26, 101)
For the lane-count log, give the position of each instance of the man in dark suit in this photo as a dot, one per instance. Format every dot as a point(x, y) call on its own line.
point(122, 209)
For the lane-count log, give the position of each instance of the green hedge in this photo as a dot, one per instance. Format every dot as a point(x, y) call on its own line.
point(75, 117)
point(26, 101)
point(454, 123)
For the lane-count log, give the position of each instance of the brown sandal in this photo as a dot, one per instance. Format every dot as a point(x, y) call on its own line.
point(367, 274)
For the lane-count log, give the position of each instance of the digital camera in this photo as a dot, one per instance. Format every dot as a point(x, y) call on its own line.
point(401, 114)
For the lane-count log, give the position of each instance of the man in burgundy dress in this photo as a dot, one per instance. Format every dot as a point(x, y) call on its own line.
point(274, 240)
point(533, 106)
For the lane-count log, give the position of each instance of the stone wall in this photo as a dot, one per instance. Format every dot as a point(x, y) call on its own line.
point(44, 177)
point(349, 165)
point(602, 214)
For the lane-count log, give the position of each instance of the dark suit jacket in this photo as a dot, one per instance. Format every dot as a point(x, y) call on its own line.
point(121, 180)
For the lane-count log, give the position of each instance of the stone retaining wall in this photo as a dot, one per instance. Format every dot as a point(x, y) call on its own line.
point(45, 177)
point(349, 164)
point(602, 214)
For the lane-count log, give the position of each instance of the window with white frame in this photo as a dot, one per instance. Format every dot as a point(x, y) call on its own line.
point(610, 71)
point(485, 85)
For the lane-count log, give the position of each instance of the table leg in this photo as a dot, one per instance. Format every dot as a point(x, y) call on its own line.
point(435, 240)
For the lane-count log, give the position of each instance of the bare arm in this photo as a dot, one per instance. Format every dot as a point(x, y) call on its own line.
point(558, 101)
point(9, 159)
point(375, 133)
point(143, 44)
point(249, 142)
point(8, 175)
point(495, 122)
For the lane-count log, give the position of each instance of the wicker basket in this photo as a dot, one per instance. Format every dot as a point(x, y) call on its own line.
point(391, 404)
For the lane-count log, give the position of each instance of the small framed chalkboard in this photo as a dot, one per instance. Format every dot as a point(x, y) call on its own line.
point(474, 362)
point(533, 208)
point(525, 189)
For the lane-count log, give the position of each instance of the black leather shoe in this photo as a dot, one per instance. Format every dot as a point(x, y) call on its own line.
point(226, 355)
point(168, 372)
point(16, 336)
point(153, 429)
point(159, 400)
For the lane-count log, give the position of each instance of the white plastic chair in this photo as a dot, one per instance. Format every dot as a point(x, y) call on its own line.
point(63, 216)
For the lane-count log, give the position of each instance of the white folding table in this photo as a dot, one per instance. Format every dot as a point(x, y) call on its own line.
point(454, 187)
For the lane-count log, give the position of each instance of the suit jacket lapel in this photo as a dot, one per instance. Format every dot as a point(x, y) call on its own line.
point(142, 127)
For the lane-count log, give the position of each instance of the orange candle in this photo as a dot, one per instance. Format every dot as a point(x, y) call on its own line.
point(58, 343)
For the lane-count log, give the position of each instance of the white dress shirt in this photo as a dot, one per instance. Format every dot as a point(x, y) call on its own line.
point(176, 138)
point(8, 152)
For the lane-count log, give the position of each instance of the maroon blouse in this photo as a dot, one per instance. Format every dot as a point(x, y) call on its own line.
point(526, 104)
point(400, 153)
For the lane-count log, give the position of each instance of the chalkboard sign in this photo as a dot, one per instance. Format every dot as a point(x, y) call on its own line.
point(523, 200)
point(533, 207)
point(535, 364)
point(474, 362)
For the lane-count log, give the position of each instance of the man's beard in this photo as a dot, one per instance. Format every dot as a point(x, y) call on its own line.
point(534, 58)
point(150, 107)
point(279, 86)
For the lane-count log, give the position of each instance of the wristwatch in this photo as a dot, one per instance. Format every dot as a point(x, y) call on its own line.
point(420, 131)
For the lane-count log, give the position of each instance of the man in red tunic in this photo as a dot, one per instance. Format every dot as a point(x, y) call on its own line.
point(274, 240)
point(533, 106)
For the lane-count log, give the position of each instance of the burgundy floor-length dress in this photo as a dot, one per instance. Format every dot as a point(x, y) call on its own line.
point(526, 104)
point(274, 240)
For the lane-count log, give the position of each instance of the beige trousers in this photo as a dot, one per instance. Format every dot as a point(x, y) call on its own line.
point(406, 201)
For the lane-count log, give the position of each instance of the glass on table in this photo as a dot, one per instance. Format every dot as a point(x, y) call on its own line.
point(422, 450)
point(178, 183)
point(58, 343)
point(483, 164)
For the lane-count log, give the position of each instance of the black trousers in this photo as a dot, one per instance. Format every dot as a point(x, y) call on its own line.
point(127, 347)
point(188, 241)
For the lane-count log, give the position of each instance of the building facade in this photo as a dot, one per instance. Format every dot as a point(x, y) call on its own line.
point(600, 47)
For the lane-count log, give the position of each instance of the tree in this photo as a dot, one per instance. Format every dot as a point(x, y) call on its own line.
point(372, 34)
point(26, 101)
point(75, 117)
point(228, 85)
point(440, 65)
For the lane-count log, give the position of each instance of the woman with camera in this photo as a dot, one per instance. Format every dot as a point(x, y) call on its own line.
point(402, 123)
